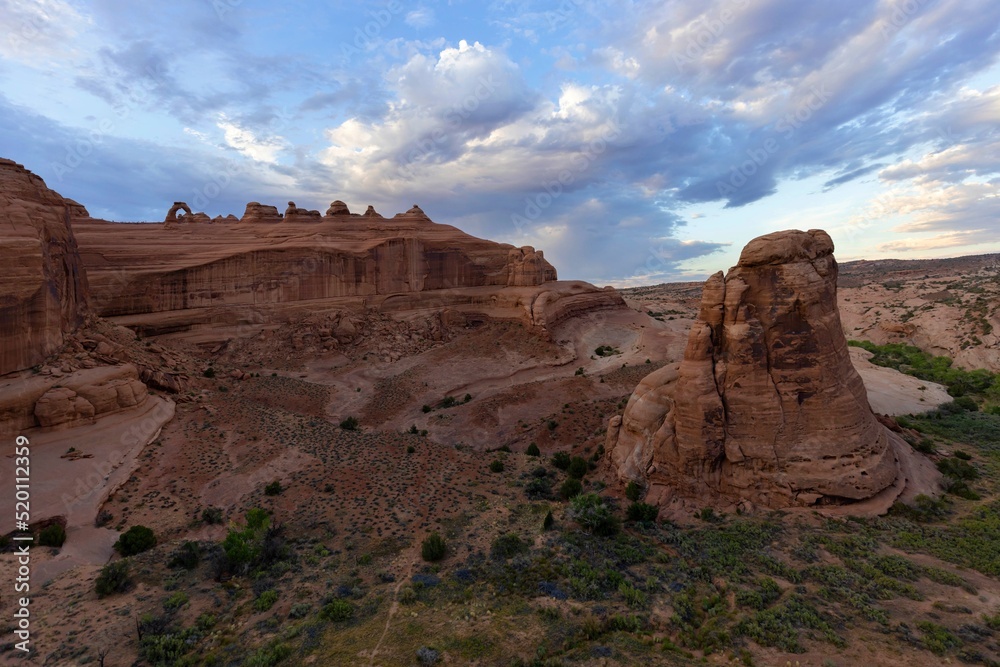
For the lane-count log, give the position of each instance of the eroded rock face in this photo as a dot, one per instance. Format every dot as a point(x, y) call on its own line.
point(257, 212)
point(766, 405)
point(43, 289)
point(337, 208)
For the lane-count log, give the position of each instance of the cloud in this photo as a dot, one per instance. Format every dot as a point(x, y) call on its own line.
point(40, 32)
point(262, 149)
point(422, 17)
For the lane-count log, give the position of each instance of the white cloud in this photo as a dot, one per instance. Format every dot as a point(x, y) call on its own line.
point(40, 32)
point(261, 149)
point(422, 17)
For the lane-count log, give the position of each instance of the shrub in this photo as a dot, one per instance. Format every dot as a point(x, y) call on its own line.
point(427, 656)
point(965, 456)
point(265, 600)
point(337, 611)
point(135, 540)
point(273, 489)
point(642, 512)
point(532, 450)
point(52, 536)
point(300, 610)
point(539, 488)
point(496, 466)
point(577, 467)
point(114, 578)
point(633, 491)
point(507, 546)
point(967, 403)
point(350, 424)
point(433, 548)
point(186, 557)
point(548, 521)
point(561, 460)
point(426, 409)
point(590, 511)
point(958, 469)
point(103, 518)
point(552, 424)
point(211, 515)
point(410, 449)
point(175, 601)
point(570, 488)
point(209, 372)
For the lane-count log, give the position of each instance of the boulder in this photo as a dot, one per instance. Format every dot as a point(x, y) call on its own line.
point(257, 212)
point(337, 208)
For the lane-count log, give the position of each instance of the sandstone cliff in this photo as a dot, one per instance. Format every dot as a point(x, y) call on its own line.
point(766, 405)
point(43, 289)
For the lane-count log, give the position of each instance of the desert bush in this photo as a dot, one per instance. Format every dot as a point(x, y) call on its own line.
point(114, 578)
point(433, 548)
point(209, 372)
point(103, 518)
point(175, 601)
point(577, 467)
point(273, 489)
point(211, 515)
point(957, 468)
point(186, 557)
point(590, 511)
point(350, 424)
point(52, 535)
point(496, 465)
point(337, 611)
point(561, 460)
point(633, 491)
point(265, 600)
point(299, 610)
point(532, 450)
point(548, 521)
point(507, 546)
point(135, 540)
point(539, 488)
point(642, 512)
point(570, 488)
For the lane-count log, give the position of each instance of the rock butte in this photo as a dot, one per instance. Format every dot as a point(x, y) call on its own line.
point(766, 406)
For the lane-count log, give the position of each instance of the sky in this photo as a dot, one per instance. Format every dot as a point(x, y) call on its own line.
point(634, 142)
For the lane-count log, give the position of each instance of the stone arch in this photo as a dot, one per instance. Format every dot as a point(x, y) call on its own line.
point(178, 206)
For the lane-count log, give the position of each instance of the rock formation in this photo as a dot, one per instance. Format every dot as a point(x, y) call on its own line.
point(295, 213)
point(370, 212)
point(337, 208)
point(178, 206)
point(43, 289)
point(766, 405)
point(257, 212)
point(527, 266)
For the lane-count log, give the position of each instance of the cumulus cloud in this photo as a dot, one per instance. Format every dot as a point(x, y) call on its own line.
point(262, 149)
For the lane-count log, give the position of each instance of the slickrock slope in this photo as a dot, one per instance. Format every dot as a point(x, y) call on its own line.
point(43, 290)
point(766, 405)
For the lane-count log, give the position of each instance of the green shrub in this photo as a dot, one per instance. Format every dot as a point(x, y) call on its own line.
point(965, 456)
point(175, 601)
point(507, 546)
point(433, 548)
point(936, 638)
point(410, 449)
point(642, 512)
point(957, 468)
point(561, 460)
point(209, 372)
point(52, 535)
point(590, 511)
point(135, 540)
point(577, 467)
point(633, 491)
point(496, 465)
point(548, 521)
point(186, 557)
point(114, 578)
point(350, 424)
point(273, 489)
point(269, 656)
point(265, 600)
point(570, 488)
point(337, 611)
point(532, 450)
point(211, 515)
point(300, 610)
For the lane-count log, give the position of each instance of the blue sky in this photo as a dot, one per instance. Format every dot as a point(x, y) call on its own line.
point(635, 142)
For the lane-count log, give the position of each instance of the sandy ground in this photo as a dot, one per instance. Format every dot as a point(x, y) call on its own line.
point(893, 393)
point(75, 488)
